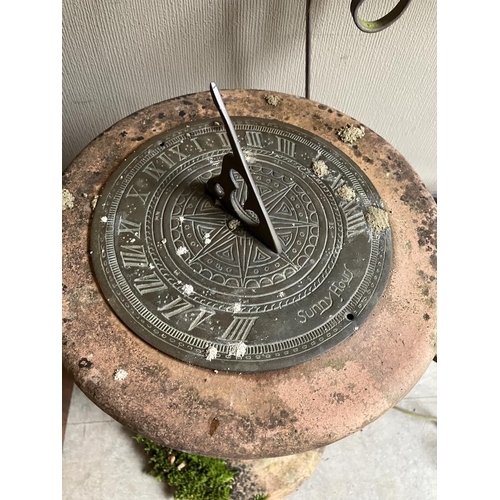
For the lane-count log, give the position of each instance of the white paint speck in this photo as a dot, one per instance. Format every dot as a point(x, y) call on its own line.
point(211, 353)
point(181, 219)
point(151, 266)
point(104, 219)
point(238, 350)
point(187, 289)
point(120, 374)
point(237, 307)
point(351, 133)
point(206, 239)
point(281, 294)
point(233, 224)
point(164, 240)
point(181, 251)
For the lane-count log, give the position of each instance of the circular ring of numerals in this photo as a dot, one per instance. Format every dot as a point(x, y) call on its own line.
point(189, 279)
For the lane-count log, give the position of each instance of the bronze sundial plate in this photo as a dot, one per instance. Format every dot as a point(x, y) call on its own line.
point(261, 414)
point(192, 281)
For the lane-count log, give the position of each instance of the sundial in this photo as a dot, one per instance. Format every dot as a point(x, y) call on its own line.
point(240, 244)
point(268, 316)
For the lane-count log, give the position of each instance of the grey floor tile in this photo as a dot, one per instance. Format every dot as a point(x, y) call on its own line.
point(101, 461)
point(394, 458)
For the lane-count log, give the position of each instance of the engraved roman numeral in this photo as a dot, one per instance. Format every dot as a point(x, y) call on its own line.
point(337, 182)
point(128, 226)
point(253, 139)
point(154, 171)
point(175, 307)
point(355, 219)
point(176, 150)
point(203, 316)
point(133, 193)
point(197, 144)
point(134, 256)
point(285, 146)
point(239, 328)
point(166, 159)
point(224, 139)
point(149, 283)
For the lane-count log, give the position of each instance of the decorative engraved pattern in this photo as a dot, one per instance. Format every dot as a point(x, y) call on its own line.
point(183, 275)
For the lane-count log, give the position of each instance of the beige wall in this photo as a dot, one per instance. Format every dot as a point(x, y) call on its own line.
point(122, 55)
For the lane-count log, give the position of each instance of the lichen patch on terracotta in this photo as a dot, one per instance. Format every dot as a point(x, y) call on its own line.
point(272, 100)
point(377, 219)
point(120, 374)
point(320, 168)
point(350, 133)
point(67, 199)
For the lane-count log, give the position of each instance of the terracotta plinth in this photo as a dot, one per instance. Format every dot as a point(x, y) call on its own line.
point(276, 477)
point(270, 414)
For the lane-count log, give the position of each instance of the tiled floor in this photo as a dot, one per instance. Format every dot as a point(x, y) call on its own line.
point(394, 458)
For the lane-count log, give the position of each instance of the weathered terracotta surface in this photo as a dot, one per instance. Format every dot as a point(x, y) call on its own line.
point(274, 413)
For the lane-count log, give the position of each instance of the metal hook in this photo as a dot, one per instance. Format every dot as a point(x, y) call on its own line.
point(380, 24)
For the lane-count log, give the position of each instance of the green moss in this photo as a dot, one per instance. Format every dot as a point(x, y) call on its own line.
point(193, 477)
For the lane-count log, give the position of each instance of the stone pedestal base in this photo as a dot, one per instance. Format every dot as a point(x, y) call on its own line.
point(252, 415)
point(276, 477)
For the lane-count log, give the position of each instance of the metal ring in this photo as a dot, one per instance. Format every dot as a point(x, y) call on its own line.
point(379, 24)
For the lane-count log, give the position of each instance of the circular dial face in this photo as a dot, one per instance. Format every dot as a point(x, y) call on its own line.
point(189, 279)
